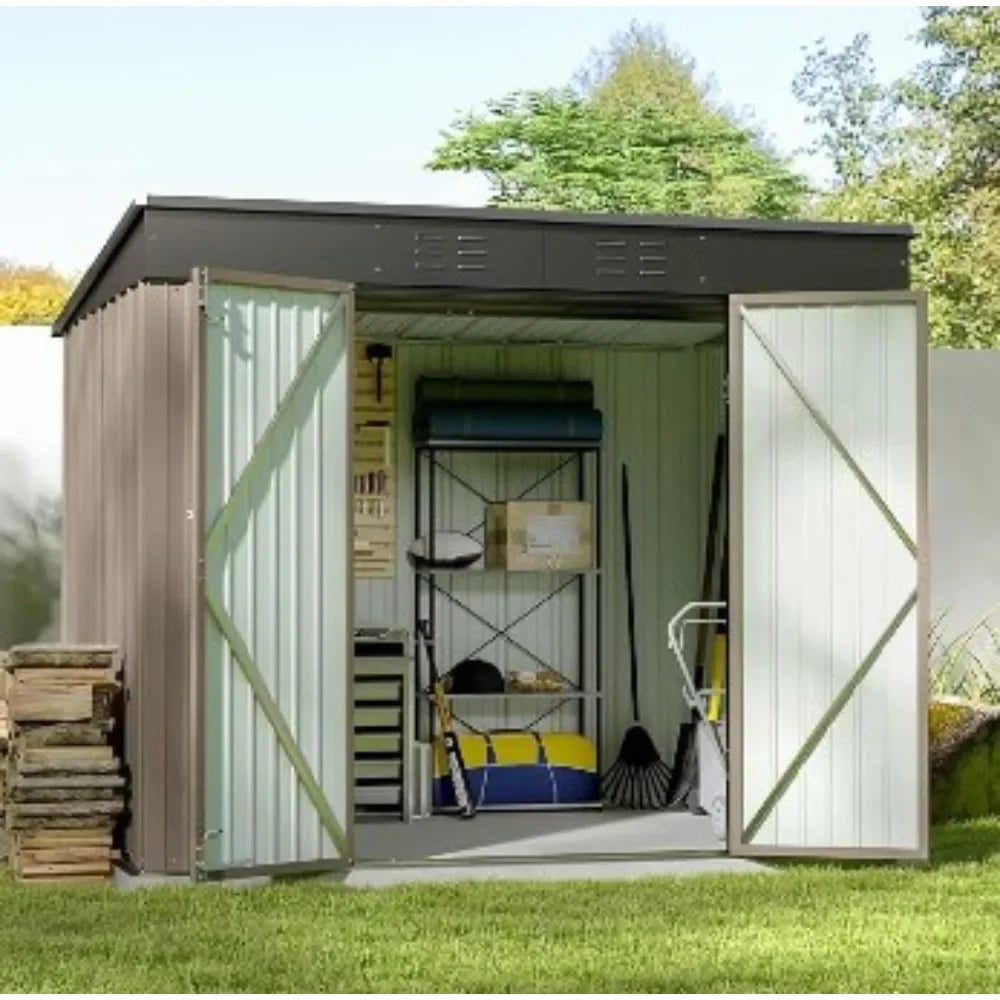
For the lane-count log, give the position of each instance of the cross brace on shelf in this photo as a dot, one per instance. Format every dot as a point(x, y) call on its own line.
point(572, 453)
point(486, 500)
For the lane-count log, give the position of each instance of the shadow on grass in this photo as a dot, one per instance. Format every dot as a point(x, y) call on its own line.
point(974, 841)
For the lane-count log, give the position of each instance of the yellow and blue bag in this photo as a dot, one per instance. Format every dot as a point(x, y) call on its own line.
point(521, 769)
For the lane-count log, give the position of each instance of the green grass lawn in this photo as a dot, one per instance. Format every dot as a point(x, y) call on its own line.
point(809, 929)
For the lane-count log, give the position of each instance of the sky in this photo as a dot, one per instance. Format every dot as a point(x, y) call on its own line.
point(100, 106)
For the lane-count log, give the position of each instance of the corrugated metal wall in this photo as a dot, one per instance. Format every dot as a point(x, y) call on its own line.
point(661, 410)
point(824, 574)
point(279, 570)
point(128, 570)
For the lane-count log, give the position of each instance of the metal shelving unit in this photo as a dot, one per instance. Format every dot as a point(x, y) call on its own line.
point(430, 583)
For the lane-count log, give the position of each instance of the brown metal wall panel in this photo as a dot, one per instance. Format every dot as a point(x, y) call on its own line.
point(93, 624)
point(153, 556)
point(68, 482)
point(176, 305)
point(131, 335)
point(128, 569)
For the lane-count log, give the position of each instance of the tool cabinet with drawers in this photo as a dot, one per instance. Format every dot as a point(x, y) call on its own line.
point(383, 724)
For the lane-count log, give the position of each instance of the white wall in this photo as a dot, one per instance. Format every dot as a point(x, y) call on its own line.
point(964, 473)
point(30, 410)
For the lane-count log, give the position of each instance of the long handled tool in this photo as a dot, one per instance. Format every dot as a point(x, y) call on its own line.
point(684, 773)
point(711, 752)
point(717, 672)
point(638, 779)
point(452, 750)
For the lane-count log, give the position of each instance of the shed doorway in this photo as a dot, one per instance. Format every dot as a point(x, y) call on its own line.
point(658, 386)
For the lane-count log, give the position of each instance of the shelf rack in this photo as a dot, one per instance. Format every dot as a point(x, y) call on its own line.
point(429, 583)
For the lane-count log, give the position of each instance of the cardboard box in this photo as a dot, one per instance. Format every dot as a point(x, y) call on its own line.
point(539, 535)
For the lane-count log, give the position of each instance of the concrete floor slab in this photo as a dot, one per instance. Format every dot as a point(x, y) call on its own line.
point(374, 877)
point(534, 834)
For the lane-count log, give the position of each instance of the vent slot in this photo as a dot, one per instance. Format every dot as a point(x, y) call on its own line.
point(457, 253)
point(624, 258)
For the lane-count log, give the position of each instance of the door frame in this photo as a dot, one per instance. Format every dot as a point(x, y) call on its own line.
point(200, 278)
point(735, 817)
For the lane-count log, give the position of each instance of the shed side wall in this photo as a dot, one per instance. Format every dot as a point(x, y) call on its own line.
point(129, 481)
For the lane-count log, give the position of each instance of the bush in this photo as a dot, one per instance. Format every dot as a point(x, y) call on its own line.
point(29, 570)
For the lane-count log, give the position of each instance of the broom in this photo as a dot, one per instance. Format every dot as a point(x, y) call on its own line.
point(638, 779)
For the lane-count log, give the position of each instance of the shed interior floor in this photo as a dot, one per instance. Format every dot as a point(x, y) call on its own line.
point(535, 834)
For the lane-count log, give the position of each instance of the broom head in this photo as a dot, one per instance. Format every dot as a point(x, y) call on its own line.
point(638, 779)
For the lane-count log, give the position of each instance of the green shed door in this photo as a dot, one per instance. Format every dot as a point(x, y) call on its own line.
point(276, 413)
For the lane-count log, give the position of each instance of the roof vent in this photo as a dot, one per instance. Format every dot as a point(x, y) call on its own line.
point(451, 253)
point(624, 258)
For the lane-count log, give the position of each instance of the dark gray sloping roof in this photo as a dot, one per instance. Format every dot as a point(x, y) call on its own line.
point(408, 249)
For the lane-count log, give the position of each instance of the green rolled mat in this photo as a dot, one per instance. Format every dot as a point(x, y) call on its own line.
point(499, 422)
point(540, 392)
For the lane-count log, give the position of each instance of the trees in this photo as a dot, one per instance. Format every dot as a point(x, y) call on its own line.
point(855, 112)
point(636, 131)
point(31, 295)
point(29, 569)
point(924, 149)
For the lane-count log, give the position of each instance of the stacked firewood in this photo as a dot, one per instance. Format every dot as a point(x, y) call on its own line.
point(64, 784)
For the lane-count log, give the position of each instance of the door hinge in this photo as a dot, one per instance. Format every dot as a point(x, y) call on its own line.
point(202, 288)
point(199, 848)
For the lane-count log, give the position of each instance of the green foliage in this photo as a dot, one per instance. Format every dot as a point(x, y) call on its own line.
point(970, 787)
point(31, 295)
point(958, 90)
point(640, 67)
point(637, 134)
point(925, 150)
point(964, 728)
point(814, 928)
point(29, 569)
point(967, 666)
point(851, 107)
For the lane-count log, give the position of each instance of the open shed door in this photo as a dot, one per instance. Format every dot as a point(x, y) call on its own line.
point(828, 582)
point(277, 584)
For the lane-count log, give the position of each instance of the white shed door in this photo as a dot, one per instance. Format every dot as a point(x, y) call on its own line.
point(276, 721)
point(828, 709)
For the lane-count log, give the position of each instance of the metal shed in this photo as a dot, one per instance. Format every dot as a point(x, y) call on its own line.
point(209, 377)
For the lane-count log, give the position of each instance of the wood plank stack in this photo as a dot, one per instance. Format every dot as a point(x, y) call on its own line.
point(64, 784)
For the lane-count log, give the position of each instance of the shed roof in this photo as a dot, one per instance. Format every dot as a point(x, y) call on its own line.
point(410, 256)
